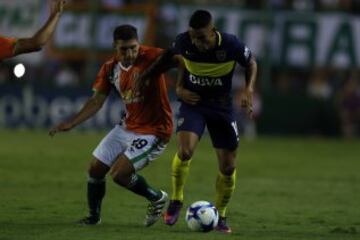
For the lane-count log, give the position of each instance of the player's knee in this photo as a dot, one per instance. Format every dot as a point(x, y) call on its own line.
point(119, 178)
point(97, 170)
point(227, 170)
point(185, 154)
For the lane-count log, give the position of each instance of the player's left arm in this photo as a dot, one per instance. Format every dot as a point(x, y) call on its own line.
point(36, 42)
point(250, 79)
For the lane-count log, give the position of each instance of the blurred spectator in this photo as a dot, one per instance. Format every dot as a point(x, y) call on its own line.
point(355, 6)
point(114, 3)
point(166, 20)
point(255, 4)
point(349, 106)
point(277, 4)
point(282, 82)
point(66, 77)
point(303, 5)
point(328, 4)
point(5, 74)
point(319, 86)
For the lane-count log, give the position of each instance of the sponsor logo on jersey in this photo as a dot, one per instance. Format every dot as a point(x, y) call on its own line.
point(205, 81)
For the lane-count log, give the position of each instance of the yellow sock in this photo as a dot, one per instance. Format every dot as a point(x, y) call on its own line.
point(225, 186)
point(179, 172)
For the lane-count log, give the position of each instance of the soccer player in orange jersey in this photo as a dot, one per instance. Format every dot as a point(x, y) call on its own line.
point(10, 47)
point(141, 137)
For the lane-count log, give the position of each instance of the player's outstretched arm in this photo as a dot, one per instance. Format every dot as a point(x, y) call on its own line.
point(162, 64)
point(36, 42)
point(250, 79)
point(90, 108)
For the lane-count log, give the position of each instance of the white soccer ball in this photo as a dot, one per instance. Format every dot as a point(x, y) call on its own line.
point(202, 216)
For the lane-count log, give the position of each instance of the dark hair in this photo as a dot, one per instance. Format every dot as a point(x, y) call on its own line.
point(200, 19)
point(125, 32)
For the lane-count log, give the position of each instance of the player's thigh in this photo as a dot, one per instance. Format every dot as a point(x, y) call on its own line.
point(223, 132)
point(143, 150)
point(112, 145)
point(190, 119)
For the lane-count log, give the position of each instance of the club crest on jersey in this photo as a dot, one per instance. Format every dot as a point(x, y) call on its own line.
point(246, 52)
point(135, 75)
point(180, 122)
point(220, 55)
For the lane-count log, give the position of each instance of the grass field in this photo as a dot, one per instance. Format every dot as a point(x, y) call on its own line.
point(287, 188)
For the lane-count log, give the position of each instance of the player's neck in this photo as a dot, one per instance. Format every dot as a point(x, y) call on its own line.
point(214, 40)
point(125, 67)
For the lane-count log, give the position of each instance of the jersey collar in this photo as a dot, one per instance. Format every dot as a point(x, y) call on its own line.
point(218, 38)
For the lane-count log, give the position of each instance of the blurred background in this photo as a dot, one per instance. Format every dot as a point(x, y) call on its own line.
point(308, 54)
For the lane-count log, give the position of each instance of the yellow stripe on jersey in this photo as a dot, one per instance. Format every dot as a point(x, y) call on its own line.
point(209, 69)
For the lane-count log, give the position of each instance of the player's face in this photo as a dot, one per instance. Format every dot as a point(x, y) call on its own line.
point(203, 38)
point(127, 51)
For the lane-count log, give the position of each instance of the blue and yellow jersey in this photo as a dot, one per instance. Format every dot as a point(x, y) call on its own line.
point(209, 73)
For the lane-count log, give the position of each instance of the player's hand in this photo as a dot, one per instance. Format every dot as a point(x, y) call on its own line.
point(187, 96)
point(57, 6)
point(62, 127)
point(246, 102)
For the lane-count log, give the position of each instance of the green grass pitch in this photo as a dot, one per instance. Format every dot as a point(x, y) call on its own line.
point(287, 188)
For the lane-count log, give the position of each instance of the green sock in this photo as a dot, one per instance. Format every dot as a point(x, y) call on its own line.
point(139, 186)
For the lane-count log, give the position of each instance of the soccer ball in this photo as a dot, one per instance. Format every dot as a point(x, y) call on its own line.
point(202, 216)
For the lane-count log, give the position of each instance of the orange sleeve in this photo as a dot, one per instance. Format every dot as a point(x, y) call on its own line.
point(101, 83)
point(7, 46)
point(155, 52)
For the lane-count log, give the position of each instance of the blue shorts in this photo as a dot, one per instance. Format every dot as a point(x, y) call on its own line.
point(221, 125)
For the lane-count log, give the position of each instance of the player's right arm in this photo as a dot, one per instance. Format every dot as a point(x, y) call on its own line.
point(169, 58)
point(102, 89)
point(36, 42)
point(162, 64)
point(90, 108)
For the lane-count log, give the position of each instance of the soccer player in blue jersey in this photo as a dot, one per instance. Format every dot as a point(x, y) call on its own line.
point(204, 89)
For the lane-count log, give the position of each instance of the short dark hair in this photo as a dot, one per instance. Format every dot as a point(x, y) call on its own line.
point(125, 32)
point(199, 19)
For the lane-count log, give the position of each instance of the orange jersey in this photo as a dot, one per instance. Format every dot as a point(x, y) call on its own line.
point(7, 46)
point(149, 112)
